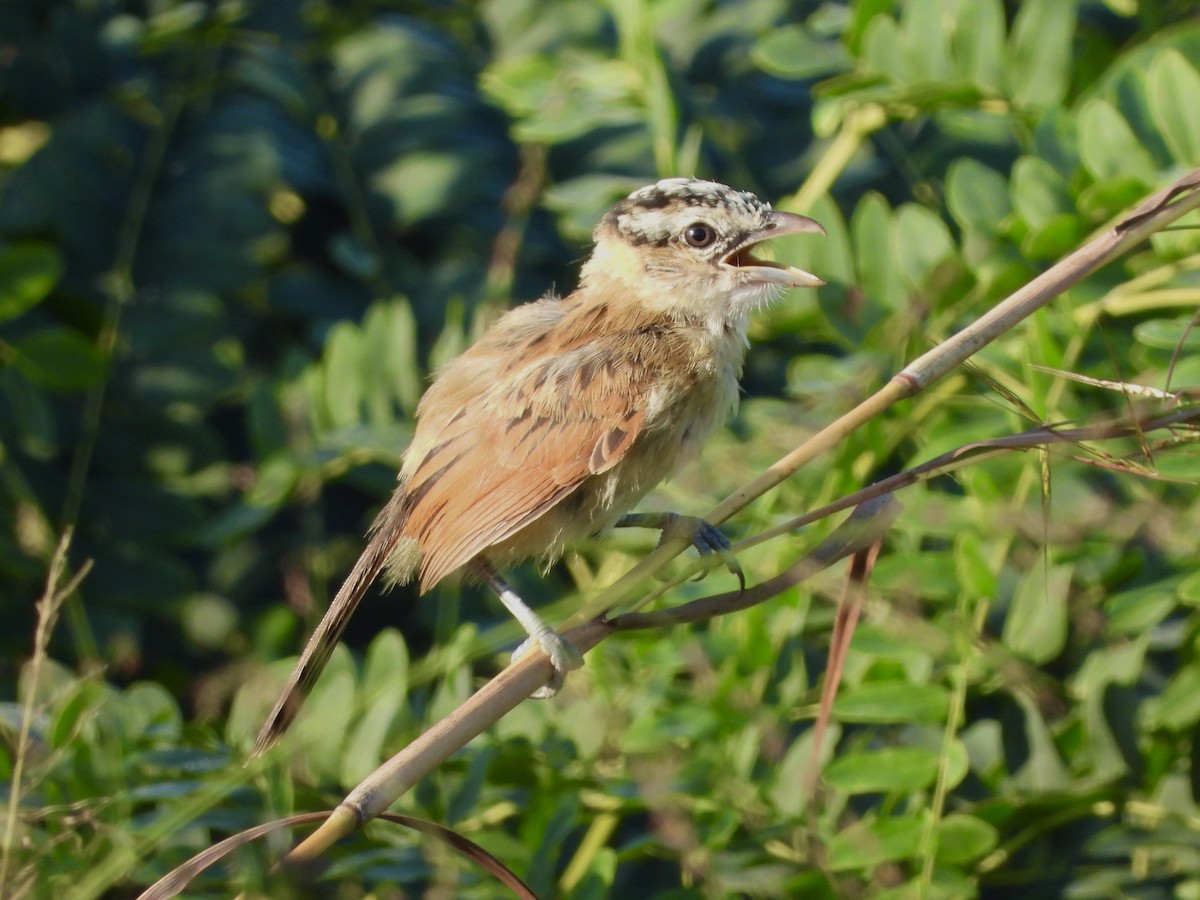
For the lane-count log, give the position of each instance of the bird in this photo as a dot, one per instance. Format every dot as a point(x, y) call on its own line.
point(558, 420)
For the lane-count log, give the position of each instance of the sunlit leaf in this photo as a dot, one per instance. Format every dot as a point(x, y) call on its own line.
point(788, 792)
point(791, 52)
point(962, 838)
point(1039, 52)
point(1178, 706)
point(1168, 334)
point(28, 272)
point(977, 195)
point(1036, 625)
point(1133, 612)
point(892, 769)
point(883, 49)
point(870, 229)
point(1039, 193)
point(1109, 147)
point(1174, 85)
point(979, 43)
point(919, 241)
point(892, 701)
point(926, 40)
point(869, 843)
point(864, 12)
point(1054, 238)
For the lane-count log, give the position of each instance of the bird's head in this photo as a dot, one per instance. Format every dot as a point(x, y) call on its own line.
point(685, 244)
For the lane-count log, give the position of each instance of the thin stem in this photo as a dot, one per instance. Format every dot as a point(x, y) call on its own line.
point(954, 718)
point(858, 124)
point(48, 608)
point(640, 51)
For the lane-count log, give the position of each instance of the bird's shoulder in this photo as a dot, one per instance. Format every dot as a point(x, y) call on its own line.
point(583, 352)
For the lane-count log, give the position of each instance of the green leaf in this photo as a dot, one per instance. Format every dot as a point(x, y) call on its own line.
point(891, 770)
point(1189, 589)
point(893, 701)
point(1168, 334)
point(1039, 57)
point(979, 43)
point(873, 841)
point(962, 839)
point(342, 371)
point(883, 50)
point(148, 707)
point(1109, 147)
point(385, 672)
point(1136, 611)
point(1038, 191)
point(1105, 199)
point(977, 195)
point(1041, 769)
point(974, 569)
point(419, 184)
point(831, 257)
point(390, 360)
point(325, 722)
point(1178, 706)
point(64, 727)
point(1180, 463)
point(864, 11)
point(1036, 625)
point(924, 25)
point(59, 359)
point(930, 576)
point(1174, 95)
point(920, 240)
point(1056, 140)
point(870, 227)
point(791, 52)
point(1054, 238)
point(28, 272)
point(274, 482)
point(787, 793)
point(368, 731)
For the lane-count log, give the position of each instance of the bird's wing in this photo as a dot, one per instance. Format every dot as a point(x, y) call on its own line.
point(537, 434)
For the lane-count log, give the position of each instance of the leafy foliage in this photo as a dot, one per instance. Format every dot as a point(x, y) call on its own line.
point(234, 238)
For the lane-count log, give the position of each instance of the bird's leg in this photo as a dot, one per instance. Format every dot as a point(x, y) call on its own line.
point(562, 652)
point(704, 536)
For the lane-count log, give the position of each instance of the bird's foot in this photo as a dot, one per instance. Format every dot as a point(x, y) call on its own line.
point(706, 537)
point(563, 656)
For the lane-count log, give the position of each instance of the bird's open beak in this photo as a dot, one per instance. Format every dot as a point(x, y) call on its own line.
point(765, 271)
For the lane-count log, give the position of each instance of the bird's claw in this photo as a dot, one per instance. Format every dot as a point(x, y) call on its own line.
point(707, 538)
point(563, 656)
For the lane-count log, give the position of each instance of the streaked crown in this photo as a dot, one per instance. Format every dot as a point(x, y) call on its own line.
point(653, 215)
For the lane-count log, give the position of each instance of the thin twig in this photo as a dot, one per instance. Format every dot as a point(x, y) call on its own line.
point(849, 608)
point(48, 608)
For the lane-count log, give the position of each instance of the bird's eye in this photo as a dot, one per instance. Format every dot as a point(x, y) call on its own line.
point(699, 234)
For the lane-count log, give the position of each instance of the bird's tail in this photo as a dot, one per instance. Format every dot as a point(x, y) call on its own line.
point(381, 551)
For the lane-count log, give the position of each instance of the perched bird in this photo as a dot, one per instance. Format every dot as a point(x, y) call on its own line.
point(568, 410)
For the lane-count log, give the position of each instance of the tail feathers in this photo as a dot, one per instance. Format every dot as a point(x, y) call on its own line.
point(385, 535)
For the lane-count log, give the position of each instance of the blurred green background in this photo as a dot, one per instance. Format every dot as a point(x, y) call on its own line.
point(235, 237)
